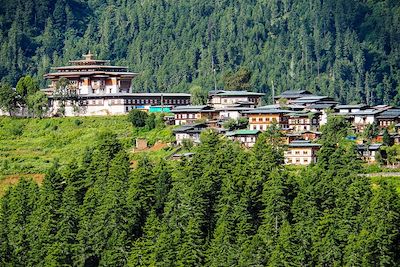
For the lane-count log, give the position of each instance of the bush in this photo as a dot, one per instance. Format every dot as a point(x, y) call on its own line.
point(77, 122)
point(137, 117)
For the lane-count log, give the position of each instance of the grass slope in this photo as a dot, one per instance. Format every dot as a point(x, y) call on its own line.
point(29, 146)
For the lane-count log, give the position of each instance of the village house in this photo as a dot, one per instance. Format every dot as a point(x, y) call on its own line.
point(247, 138)
point(310, 135)
point(222, 99)
point(261, 118)
point(369, 153)
point(301, 152)
point(301, 121)
point(232, 112)
point(290, 137)
point(343, 109)
point(190, 132)
point(362, 118)
point(388, 117)
point(94, 87)
point(287, 97)
point(314, 99)
point(190, 114)
point(323, 109)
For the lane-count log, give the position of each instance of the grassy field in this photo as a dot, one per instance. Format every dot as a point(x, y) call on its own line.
point(29, 146)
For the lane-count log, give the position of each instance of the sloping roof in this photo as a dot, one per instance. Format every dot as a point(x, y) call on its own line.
point(191, 108)
point(380, 107)
point(234, 93)
point(191, 127)
point(389, 114)
point(370, 147)
point(314, 99)
point(365, 112)
point(321, 106)
point(293, 94)
point(303, 143)
point(83, 73)
point(303, 113)
point(233, 108)
point(261, 110)
point(360, 106)
point(243, 132)
point(279, 106)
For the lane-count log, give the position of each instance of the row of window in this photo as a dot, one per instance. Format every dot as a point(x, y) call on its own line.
point(136, 101)
point(185, 116)
point(305, 160)
point(297, 152)
point(302, 121)
point(263, 119)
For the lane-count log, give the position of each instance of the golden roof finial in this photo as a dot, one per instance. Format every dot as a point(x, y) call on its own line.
point(88, 56)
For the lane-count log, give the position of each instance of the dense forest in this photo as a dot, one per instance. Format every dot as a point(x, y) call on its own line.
point(224, 207)
point(347, 49)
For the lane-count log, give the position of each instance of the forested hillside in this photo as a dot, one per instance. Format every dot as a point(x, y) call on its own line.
point(224, 207)
point(348, 49)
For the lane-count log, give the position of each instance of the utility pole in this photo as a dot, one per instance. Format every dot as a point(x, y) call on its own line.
point(210, 39)
point(273, 92)
point(213, 68)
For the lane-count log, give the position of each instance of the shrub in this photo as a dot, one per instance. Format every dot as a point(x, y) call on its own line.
point(77, 122)
point(137, 117)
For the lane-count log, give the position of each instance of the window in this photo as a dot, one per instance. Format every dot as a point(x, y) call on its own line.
point(305, 152)
point(305, 160)
point(253, 119)
point(260, 119)
point(297, 152)
point(254, 127)
point(297, 160)
point(289, 152)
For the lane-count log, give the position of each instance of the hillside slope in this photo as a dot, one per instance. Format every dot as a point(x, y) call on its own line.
point(348, 49)
point(30, 146)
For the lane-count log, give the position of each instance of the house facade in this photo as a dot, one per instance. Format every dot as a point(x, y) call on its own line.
point(368, 153)
point(388, 117)
point(303, 121)
point(191, 114)
point(223, 99)
point(247, 138)
point(189, 132)
point(301, 152)
point(261, 119)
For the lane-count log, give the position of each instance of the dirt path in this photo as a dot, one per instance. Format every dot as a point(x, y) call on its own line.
point(383, 174)
point(9, 180)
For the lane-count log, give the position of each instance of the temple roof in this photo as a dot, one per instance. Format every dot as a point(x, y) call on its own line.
point(89, 60)
point(90, 67)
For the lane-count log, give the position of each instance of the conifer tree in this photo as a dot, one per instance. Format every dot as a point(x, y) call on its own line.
point(17, 205)
point(43, 225)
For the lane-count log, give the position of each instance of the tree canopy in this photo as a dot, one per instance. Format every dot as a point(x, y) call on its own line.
point(347, 49)
point(225, 206)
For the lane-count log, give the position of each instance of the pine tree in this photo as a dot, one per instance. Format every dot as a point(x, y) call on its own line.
point(17, 205)
point(43, 225)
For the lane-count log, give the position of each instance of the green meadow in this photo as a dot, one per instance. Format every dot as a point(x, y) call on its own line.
point(30, 146)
